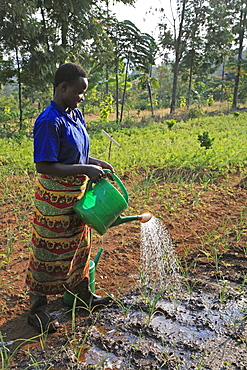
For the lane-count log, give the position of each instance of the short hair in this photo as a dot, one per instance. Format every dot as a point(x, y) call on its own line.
point(69, 72)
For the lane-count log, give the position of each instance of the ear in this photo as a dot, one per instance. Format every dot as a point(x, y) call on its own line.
point(64, 86)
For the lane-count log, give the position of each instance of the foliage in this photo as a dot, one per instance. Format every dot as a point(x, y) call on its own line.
point(170, 123)
point(195, 112)
point(201, 39)
point(205, 140)
point(132, 50)
point(210, 100)
point(8, 108)
point(182, 102)
point(200, 42)
point(152, 144)
point(106, 107)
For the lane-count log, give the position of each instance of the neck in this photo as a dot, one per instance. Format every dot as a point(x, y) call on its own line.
point(59, 102)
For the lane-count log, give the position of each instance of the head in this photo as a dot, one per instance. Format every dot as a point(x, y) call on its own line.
point(70, 84)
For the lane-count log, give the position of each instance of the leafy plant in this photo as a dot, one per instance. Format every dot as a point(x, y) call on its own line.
point(7, 355)
point(170, 123)
point(106, 107)
point(195, 112)
point(182, 102)
point(205, 140)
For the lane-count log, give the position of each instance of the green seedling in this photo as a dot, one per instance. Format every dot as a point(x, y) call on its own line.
point(224, 291)
point(170, 123)
point(125, 308)
point(7, 354)
point(205, 140)
point(214, 256)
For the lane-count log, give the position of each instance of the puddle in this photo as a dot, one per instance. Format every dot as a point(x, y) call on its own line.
point(184, 333)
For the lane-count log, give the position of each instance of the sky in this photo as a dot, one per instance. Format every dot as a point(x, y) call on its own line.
point(144, 14)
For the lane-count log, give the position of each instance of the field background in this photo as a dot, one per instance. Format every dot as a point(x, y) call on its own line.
point(199, 195)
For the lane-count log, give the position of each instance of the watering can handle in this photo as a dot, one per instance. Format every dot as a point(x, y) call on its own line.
point(120, 184)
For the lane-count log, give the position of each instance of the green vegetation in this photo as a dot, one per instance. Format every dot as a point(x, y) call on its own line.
point(152, 144)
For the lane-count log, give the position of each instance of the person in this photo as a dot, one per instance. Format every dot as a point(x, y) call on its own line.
point(61, 244)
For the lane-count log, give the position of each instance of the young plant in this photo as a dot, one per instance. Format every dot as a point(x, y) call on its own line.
point(125, 308)
point(205, 140)
point(170, 123)
point(214, 256)
point(224, 291)
point(77, 342)
point(7, 355)
point(151, 305)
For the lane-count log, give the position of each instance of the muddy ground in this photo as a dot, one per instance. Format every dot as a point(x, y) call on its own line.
point(198, 323)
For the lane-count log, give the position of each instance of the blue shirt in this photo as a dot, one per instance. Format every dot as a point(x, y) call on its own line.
point(60, 137)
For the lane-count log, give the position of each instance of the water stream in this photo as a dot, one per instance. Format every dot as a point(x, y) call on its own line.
point(157, 256)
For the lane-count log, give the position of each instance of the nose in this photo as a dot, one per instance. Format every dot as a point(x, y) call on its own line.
point(81, 97)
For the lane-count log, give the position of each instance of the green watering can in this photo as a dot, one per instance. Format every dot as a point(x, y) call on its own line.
point(102, 205)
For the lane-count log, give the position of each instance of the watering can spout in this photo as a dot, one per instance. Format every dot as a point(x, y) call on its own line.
point(142, 218)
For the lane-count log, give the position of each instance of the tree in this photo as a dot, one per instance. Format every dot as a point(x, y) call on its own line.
point(179, 48)
point(218, 38)
point(240, 31)
point(16, 26)
point(175, 42)
point(38, 35)
point(131, 49)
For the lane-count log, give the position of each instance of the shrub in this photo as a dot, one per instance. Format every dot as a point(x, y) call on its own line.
point(170, 123)
point(205, 140)
point(195, 112)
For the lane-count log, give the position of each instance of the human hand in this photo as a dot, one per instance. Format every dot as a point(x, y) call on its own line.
point(94, 172)
point(106, 166)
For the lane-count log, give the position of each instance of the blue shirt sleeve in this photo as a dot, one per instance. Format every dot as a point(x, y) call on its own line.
point(46, 141)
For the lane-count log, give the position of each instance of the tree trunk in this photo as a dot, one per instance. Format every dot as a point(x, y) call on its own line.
point(44, 25)
point(107, 70)
point(19, 88)
point(190, 80)
point(150, 97)
point(107, 84)
point(124, 91)
point(64, 32)
point(117, 112)
point(177, 60)
point(240, 52)
point(222, 82)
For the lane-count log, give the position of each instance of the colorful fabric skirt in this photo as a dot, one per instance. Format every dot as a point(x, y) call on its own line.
point(61, 242)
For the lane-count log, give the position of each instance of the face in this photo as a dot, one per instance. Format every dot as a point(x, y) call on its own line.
point(73, 93)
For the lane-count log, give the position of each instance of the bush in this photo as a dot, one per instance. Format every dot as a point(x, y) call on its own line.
point(170, 123)
point(195, 112)
point(205, 140)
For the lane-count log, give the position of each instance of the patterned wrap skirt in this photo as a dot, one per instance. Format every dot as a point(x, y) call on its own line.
point(61, 242)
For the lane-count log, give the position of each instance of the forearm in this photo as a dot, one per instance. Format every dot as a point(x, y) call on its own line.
point(94, 161)
point(103, 164)
point(61, 169)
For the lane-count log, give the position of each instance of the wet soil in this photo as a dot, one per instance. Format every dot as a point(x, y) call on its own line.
point(198, 324)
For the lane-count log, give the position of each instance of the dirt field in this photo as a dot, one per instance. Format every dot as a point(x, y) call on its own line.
point(208, 228)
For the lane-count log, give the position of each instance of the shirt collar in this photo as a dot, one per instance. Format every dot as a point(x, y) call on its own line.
point(56, 106)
